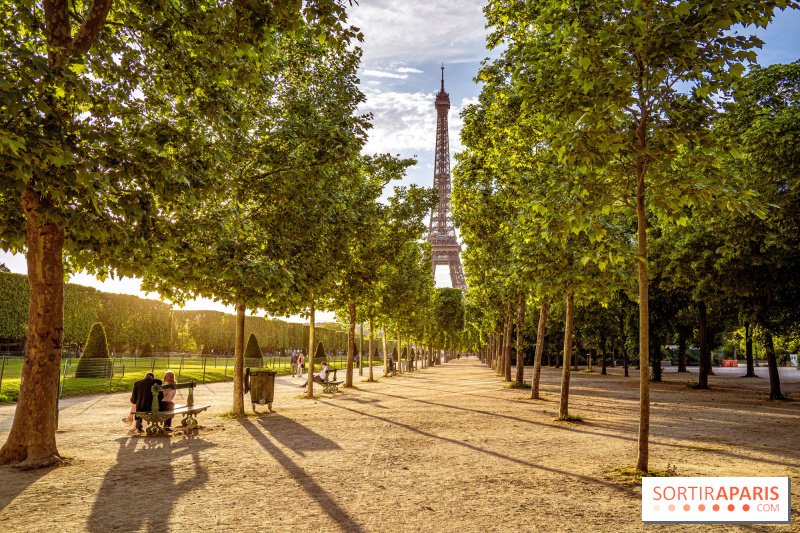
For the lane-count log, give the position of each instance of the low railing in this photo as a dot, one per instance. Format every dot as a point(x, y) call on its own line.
point(93, 376)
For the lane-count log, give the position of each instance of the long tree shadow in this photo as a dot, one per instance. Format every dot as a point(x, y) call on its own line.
point(304, 481)
point(296, 437)
point(139, 491)
point(498, 455)
point(570, 429)
point(14, 481)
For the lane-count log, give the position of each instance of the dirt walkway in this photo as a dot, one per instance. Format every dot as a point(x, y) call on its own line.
point(443, 449)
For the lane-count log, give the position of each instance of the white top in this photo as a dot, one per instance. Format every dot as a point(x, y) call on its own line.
point(323, 373)
point(169, 395)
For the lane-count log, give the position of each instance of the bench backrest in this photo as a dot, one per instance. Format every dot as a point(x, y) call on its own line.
point(173, 386)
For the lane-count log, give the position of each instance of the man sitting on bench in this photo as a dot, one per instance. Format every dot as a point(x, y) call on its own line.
point(142, 398)
point(319, 378)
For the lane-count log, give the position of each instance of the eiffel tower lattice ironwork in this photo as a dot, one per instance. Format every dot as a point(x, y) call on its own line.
point(441, 232)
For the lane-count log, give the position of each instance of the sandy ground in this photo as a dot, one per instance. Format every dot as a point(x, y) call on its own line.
point(442, 449)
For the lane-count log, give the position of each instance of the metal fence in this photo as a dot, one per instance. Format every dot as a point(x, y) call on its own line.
point(92, 376)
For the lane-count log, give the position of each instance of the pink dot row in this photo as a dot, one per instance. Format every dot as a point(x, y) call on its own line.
point(702, 507)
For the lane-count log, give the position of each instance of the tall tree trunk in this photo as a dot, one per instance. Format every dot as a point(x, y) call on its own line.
point(563, 408)
point(643, 456)
point(312, 350)
point(430, 354)
point(520, 341)
point(705, 351)
point(238, 363)
point(498, 351)
point(509, 341)
point(386, 354)
point(399, 353)
point(537, 361)
point(625, 362)
point(576, 355)
point(371, 349)
point(409, 357)
point(604, 348)
point(655, 358)
point(361, 351)
point(351, 344)
point(682, 350)
point(772, 363)
point(32, 439)
point(748, 347)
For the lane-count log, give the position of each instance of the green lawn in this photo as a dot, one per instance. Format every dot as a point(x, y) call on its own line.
point(129, 370)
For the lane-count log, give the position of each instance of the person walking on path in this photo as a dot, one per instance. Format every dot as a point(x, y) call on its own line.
point(301, 365)
point(294, 363)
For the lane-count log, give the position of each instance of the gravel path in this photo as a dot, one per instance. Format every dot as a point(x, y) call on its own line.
point(437, 450)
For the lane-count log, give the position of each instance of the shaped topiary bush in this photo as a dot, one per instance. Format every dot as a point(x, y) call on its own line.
point(394, 354)
point(95, 361)
point(148, 350)
point(319, 354)
point(252, 352)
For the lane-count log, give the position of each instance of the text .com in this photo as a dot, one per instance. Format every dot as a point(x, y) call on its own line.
point(716, 500)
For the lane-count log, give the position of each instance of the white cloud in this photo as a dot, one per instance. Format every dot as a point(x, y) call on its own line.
point(410, 70)
point(383, 74)
point(449, 30)
point(406, 121)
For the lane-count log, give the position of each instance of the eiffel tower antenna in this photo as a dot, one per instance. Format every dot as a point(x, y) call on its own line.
point(441, 232)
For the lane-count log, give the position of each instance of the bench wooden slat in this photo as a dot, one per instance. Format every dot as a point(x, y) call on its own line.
point(182, 410)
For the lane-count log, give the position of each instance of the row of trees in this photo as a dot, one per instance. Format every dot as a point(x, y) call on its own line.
point(618, 161)
point(211, 149)
point(131, 322)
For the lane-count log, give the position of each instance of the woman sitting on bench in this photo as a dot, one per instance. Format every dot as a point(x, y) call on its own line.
point(166, 404)
point(319, 378)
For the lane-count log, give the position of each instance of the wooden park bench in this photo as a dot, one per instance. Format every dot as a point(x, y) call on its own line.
point(331, 385)
point(156, 418)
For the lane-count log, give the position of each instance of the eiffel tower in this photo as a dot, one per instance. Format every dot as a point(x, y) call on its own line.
point(441, 232)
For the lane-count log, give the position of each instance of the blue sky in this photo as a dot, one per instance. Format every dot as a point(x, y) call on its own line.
point(406, 41)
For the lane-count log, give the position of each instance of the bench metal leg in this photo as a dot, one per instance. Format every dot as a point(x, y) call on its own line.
point(154, 428)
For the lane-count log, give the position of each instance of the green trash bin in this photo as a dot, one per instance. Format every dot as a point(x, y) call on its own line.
point(262, 387)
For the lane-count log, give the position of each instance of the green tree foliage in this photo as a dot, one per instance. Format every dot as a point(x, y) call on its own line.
point(757, 256)
point(15, 297)
point(449, 314)
point(132, 320)
point(109, 115)
point(95, 361)
point(600, 82)
point(406, 289)
point(147, 351)
point(384, 228)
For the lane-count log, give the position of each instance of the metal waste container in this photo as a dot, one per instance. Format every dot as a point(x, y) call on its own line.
point(262, 387)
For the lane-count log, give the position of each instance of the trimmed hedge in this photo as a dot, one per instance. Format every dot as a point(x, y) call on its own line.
point(319, 353)
point(95, 361)
point(252, 351)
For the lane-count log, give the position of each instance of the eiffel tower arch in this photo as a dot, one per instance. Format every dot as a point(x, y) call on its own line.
point(441, 232)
